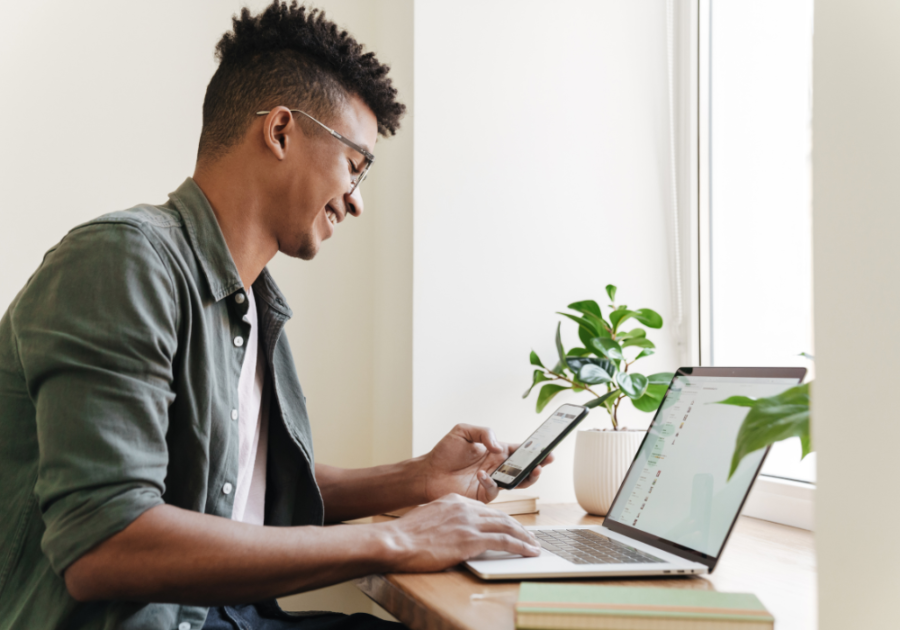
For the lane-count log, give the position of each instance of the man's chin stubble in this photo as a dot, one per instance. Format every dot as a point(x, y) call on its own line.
point(307, 250)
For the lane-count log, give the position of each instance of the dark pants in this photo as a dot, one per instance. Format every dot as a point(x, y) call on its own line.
point(269, 616)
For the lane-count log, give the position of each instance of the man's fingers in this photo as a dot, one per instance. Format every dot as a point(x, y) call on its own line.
point(481, 435)
point(532, 478)
point(485, 480)
point(510, 544)
point(490, 487)
point(503, 524)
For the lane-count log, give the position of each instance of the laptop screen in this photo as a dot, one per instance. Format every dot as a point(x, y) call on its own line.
point(677, 488)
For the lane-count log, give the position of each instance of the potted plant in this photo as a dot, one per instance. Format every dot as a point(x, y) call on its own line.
point(603, 368)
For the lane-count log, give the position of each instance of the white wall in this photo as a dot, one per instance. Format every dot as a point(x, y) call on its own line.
point(856, 222)
point(541, 175)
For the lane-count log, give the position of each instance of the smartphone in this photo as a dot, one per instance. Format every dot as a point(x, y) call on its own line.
point(539, 444)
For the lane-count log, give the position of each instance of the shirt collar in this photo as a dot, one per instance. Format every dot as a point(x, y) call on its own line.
point(211, 250)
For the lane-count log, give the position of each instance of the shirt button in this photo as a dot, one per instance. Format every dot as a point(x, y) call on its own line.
point(234, 414)
point(184, 625)
point(239, 341)
point(239, 298)
point(227, 488)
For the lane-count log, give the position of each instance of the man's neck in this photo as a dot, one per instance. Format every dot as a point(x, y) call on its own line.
point(238, 206)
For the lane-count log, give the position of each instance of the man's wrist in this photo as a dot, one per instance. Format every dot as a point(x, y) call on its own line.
point(418, 473)
point(387, 545)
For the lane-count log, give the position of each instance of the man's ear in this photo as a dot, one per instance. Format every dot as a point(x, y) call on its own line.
point(278, 129)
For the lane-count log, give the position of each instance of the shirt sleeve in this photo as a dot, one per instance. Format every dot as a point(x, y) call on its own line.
point(97, 336)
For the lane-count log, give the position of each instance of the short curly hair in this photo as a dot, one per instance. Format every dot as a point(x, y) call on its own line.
point(290, 55)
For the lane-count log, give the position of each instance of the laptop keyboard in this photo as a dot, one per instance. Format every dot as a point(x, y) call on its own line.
point(583, 546)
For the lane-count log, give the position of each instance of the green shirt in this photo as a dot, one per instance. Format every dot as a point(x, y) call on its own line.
point(119, 367)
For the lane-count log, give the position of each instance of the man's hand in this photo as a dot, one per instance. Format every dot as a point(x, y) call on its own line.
point(450, 530)
point(463, 460)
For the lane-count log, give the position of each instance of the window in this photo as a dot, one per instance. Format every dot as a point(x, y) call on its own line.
point(759, 249)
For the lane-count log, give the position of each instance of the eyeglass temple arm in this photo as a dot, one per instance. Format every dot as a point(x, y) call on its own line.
point(334, 133)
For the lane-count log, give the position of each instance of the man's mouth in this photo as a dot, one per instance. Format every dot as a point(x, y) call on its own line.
point(332, 216)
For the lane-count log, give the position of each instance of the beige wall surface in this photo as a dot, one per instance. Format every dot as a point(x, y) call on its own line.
point(856, 201)
point(540, 163)
point(101, 106)
point(102, 110)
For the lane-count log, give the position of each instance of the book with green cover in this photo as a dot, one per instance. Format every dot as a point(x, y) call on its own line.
point(550, 606)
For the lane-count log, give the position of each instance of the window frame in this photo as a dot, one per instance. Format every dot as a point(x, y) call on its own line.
point(773, 499)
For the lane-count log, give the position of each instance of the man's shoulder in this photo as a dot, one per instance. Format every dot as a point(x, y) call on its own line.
point(142, 216)
point(135, 231)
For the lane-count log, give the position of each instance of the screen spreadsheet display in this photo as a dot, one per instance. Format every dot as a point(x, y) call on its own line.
point(678, 486)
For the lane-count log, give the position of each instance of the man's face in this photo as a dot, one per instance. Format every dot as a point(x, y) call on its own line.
point(313, 197)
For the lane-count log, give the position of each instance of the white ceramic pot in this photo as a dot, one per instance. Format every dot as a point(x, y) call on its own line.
point(601, 460)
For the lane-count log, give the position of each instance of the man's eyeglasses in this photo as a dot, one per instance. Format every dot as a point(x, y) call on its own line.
point(355, 182)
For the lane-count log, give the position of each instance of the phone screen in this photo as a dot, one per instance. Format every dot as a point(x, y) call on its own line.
point(538, 445)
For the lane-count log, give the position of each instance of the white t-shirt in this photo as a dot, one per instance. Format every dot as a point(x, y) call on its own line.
point(253, 428)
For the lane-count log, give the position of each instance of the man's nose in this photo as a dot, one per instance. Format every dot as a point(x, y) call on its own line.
point(354, 203)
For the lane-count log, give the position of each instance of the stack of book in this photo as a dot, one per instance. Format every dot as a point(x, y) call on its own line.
point(588, 607)
point(509, 501)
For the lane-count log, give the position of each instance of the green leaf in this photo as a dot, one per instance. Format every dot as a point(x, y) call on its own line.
point(806, 444)
point(546, 395)
point(634, 333)
point(606, 348)
point(535, 360)
point(607, 365)
point(587, 307)
point(611, 292)
point(651, 399)
point(596, 402)
point(644, 353)
point(640, 342)
point(634, 385)
point(583, 322)
point(537, 377)
point(585, 336)
point(577, 363)
point(649, 318)
point(593, 375)
point(577, 352)
point(660, 378)
point(602, 325)
point(559, 346)
point(771, 420)
point(620, 315)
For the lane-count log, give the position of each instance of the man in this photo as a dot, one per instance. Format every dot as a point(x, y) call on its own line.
point(155, 449)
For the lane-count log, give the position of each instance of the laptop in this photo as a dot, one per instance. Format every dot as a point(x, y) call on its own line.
point(676, 507)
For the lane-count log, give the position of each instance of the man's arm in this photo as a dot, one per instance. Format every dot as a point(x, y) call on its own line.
point(173, 555)
point(459, 463)
point(350, 493)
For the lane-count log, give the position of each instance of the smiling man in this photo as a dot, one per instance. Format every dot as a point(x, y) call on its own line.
point(155, 448)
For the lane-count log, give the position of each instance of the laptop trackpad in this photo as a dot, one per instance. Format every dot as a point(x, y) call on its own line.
point(495, 555)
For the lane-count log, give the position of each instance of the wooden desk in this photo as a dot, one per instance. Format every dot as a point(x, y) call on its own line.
point(775, 562)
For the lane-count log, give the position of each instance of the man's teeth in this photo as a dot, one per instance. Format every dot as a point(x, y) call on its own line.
point(331, 216)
